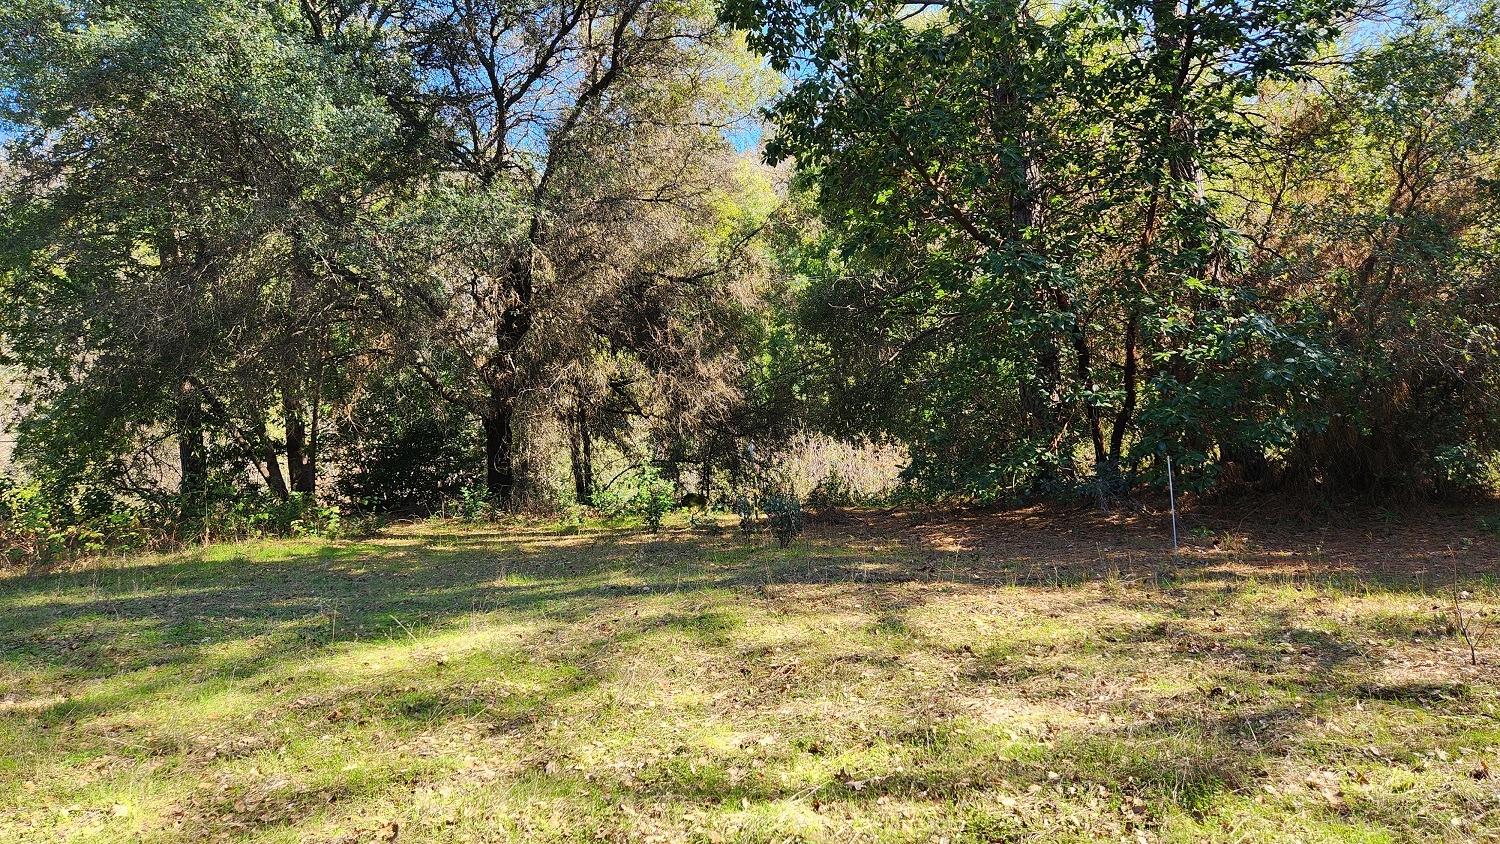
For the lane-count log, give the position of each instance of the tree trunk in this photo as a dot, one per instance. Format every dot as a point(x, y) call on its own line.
point(1039, 395)
point(309, 480)
point(191, 451)
point(275, 480)
point(301, 439)
point(581, 452)
point(1126, 416)
point(499, 471)
point(301, 450)
point(296, 453)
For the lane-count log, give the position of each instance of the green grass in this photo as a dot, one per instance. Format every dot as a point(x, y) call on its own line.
point(442, 683)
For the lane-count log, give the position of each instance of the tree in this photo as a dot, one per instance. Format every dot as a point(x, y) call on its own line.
point(179, 171)
point(1372, 230)
point(588, 180)
point(1016, 206)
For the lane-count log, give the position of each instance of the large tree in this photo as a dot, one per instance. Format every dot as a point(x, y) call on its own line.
point(1015, 207)
point(585, 205)
point(1372, 238)
point(179, 171)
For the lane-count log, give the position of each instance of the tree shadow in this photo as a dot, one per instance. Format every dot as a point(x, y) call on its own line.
point(1054, 545)
point(166, 629)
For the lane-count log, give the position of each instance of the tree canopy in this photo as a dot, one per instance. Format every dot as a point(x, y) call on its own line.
point(381, 252)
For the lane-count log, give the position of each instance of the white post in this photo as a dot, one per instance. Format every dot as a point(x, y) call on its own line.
point(1172, 501)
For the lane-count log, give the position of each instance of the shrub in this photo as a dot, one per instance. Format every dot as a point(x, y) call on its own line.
point(475, 504)
point(832, 491)
point(572, 518)
point(616, 501)
point(402, 452)
point(783, 517)
point(41, 524)
point(653, 499)
point(359, 525)
point(744, 507)
point(250, 515)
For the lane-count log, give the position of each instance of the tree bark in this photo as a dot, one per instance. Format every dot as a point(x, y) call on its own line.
point(191, 450)
point(1126, 415)
point(581, 452)
point(301, 438)
point(499, 469)
point(275, 479)
point(309, 481)
point(297, 462)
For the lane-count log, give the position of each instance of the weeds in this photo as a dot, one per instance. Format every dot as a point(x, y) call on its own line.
point(1470, 624)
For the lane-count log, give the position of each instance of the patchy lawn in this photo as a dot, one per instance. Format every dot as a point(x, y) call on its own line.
point(1036, 676)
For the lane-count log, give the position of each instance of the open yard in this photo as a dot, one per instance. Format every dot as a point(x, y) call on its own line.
point(1029, 676)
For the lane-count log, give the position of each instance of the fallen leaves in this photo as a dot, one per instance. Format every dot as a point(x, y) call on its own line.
point(1328, 786)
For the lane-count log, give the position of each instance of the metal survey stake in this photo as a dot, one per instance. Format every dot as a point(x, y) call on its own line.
point(1172, 502)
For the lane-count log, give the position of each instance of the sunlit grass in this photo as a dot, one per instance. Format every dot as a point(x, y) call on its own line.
point(481, 683)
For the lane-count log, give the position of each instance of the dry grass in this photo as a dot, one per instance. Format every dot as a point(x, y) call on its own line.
point(1034, 676)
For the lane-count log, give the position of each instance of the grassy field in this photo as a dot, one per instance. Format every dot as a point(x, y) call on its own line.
point(1032, 676)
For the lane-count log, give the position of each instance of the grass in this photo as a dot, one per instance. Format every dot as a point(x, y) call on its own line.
point(441, 683)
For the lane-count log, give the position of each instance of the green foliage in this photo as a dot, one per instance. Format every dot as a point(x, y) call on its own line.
point(251, 515)
point(45, 523)
point(832, 491)
point(475, 503)
point(1046, 251)
point(192, 170)
point(653, 499)
point(42, 524)
point(615, 501)
point(618, 500)
point(572, 519)
point(402, 450)
point(783, 517)
point(643, 494)
point(1041, 251)
point(744, 506)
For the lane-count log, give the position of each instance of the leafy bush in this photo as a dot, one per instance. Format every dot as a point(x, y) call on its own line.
point(402, 451)
point(1463, 468)
point(834, 490)
point(783, 517)
point(653, 499)
point(745, 508)
point(646, 495)
point(45, 523)
point(572, 519)
point(616, 501)
point(41, 524)
point(359, 525)
point(260, 514)
point(474, 504)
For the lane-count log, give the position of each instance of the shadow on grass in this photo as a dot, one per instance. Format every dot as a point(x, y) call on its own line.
point(177, 610)
point(157, 630)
